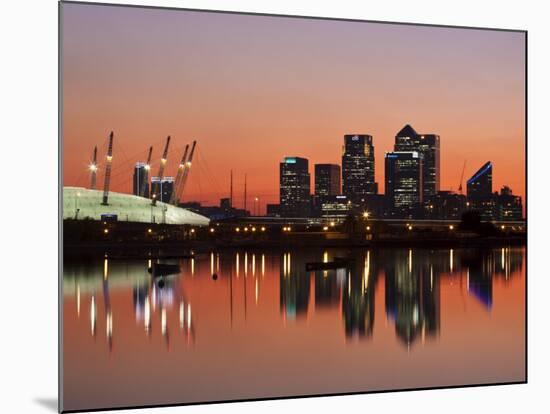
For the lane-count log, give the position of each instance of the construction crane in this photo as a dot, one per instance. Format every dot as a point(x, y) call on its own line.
point(146, 174)
point(93, 169)
point(461, 178)
point(185, 173)
point(161, 172)
point(109, 160)
point(181, 168)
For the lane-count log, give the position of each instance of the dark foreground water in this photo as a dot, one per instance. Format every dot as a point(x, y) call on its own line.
point(397, 318)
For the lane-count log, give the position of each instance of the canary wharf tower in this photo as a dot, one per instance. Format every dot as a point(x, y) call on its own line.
point(358, 167)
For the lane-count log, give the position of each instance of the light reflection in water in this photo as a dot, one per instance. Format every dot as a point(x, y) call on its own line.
point(411, 289)
point(93, 315)
point(78, 300)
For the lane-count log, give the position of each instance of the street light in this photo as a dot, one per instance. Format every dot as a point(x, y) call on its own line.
point(366, 214)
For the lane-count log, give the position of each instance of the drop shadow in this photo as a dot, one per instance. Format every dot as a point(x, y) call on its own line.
point(49, 403)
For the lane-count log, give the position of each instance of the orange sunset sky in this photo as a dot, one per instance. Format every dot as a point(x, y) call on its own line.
point(253, 89)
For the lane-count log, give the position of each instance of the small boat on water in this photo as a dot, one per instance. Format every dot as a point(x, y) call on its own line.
point(337, 263)
point(163, 269)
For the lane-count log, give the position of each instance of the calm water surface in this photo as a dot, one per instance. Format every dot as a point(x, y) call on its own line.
point(266, 327)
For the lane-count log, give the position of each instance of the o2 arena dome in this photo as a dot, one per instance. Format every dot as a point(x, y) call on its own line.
point(85, 204)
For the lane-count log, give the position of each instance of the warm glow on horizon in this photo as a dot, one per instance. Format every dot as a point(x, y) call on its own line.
point(254, 89)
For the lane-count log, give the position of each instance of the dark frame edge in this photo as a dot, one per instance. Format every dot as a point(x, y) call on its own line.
point(448, 26)
point(60, 206)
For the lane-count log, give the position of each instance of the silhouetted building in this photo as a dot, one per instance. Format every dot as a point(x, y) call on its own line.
point(140, 175)
point(404, 188)
point(225, 204)
point(295, 199)
point(428, 145)
point(221, 212)
point(327, 180)
point(273, 210)
point(445, 205)
point(480, 192)
point(509, 205)
point(376, 205)
point(481, 183)
point(358, 168)
point(335, 208)
point(162, 188)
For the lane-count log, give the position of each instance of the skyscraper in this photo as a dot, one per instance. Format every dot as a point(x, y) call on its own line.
point(479, 190)
point(162, 188)
point(481, 184)
point(428, 145)
point(140, 175)
point(404, 172)
point(327, 180)
point(358, 168)
point(294, 191)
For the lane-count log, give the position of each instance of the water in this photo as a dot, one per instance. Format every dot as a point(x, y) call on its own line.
point(398, 318)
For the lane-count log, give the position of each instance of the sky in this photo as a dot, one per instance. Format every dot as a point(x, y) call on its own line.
point(254, 89)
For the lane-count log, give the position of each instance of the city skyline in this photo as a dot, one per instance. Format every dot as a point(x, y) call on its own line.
point(468, 88)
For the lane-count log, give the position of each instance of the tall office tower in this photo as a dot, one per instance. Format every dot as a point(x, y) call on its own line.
point(162, 188)
point(428, 145)
point(481, 183)
point(167, 187)
point(294, 190)
point(479, 190)
point(140, 175)
point(358, 168)
point(327, 180)
point(404, 172)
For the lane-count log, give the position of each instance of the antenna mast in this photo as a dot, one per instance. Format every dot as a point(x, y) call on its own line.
point(109, 160)
point(186, 172)
point(245, 192)
point(177, 183)
point(93, 169)
point(231, 188)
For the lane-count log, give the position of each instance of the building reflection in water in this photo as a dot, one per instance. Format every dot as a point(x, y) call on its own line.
point(150, 296)
point(294, 287)
point(358, 297)
point(485, 264)
point(412, 288)
point(413, 294)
